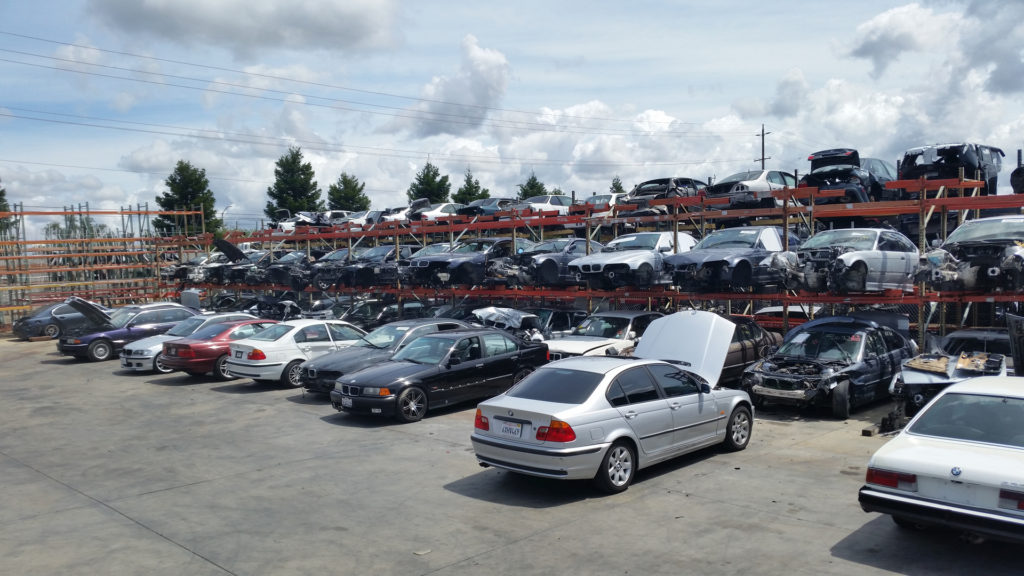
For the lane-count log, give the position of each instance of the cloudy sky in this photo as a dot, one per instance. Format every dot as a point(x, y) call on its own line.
point(101, 98)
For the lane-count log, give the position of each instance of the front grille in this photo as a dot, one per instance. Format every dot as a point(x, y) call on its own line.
point(348, 390)
point(784, 384)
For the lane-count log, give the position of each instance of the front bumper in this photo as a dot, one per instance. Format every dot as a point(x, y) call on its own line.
point(797, 396)
point(931, 512)
point(382, 406)
point(136, 363)
point(268, 371)
point(558, 463)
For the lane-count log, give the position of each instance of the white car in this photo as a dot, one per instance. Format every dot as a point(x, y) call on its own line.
point(752, 188)
point(145, 355)
point(636, 259)
point(549, 203)
point(606, 333)
point(440, 210)
point(958, 464)
point(277, 352)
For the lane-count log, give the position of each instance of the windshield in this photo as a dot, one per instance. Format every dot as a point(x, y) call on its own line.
point(256, 256)
point(979, 231)
point(122, 316)
point(431, 249)
point(974, 417)
point(551, 246)
point(729, 237)
point(384, 337)
point(273, 333)
point(538, 199)
point(292, 257)
point(426, 350)
point(599, 200)
point(187, 326)
point(339, 254)
point(634, 242)
point(376, 253)
point(824, 345)
point(473, 246)
point(210, 331)
point(851, 238)
point(602, 327)
point(741, 177)
point(366, 309)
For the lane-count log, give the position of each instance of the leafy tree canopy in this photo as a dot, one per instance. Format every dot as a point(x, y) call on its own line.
point(470, 190)
point(294, 188)
point(616, 187)
point(347, 194)
point(6, 224)
point(532, 187)
point(187, 189)
point(430, 184)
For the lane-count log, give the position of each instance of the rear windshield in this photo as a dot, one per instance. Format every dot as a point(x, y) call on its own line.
point(557, 385)
point(974, 417)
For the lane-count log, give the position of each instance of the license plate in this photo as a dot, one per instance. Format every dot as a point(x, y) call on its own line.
point(346, 402)
point(511, 429)
point(238, 354)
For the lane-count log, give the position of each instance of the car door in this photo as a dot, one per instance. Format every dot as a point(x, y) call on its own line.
point(694, 414)
point(893, 264)
point(500, 356)
point(638, 400)
point(313, 340)
point(462, 371)
point(881, 364)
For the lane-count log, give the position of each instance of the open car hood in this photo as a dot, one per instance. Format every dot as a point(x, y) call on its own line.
point(93, 313)
point(228, 249)
point(834, 157)
point(703, 352)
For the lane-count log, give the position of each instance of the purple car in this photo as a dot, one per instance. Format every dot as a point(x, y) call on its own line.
point(106, 333)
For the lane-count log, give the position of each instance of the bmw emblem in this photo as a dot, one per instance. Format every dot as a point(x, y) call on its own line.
point(510, 413)
point(956, 471)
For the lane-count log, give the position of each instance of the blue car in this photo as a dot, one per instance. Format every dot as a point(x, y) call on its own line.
point(105, 334)
point(47, 321)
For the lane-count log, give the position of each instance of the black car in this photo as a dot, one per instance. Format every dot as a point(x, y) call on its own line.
point(319, 374)
point(728, 259)
point(547, 263)
point(49, 321)
point(467, 263)
point(438, 370)
point(487, 206)
point(324, 273)
point(860, 179)
point(365, 269)
point(371, 313)
point(943, 161)
point(659, 189)
point(838, 361)
point(277, 270)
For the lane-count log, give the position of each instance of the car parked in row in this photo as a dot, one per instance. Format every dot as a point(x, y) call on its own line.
point(727, 260)
point(605, 418)
point(439, 369)
point(635, 259)
point(547, 263)
point(467, 263)
point(50, 320)
point(207, 349)
point(981, 254)
point(146, 355)
point(860, 179)
point(106, 333)
point(276, 353)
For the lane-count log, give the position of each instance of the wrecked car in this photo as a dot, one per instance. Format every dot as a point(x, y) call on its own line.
point(728, 259)
point(840, 362)
point(364, 269)
point(981, 254)
point(547, 263)
point(644, 193)
point(850, 260)
point(752, 189)
point(925, 375)
point(636, 259)
point(860, 179)
point(467, 263)
point(942, 161)
point(611, 333)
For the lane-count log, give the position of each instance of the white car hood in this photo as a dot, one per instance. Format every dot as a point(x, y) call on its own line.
point(153, 343)
point(579, 345)
point(695, 337)
point(616, 257)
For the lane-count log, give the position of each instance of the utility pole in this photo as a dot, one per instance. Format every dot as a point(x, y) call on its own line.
point(763, 157)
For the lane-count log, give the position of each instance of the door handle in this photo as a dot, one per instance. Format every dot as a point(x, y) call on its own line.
point(675, 406)
point(479, 365)
point(630, 415)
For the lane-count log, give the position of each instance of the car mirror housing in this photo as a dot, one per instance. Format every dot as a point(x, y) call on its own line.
point(453, 362)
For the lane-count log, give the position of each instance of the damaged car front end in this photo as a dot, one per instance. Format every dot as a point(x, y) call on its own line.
point(982, 254)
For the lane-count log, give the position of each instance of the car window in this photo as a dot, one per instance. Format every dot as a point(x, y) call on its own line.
point(893, 341)
point(496, 344)
point(312, 333)
point(150, 317)
point(344, 332)
point(641, 323)
point(633, 387)
point(467, 349)
point(552, 384)
point(776, 178)
point(875, 345)
point(743, 332)
point(974, 417)
point(674, 381)
point(560, 321)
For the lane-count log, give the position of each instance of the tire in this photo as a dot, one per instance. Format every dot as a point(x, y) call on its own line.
point(323, 285)
point(51, 330)
point(547, 273)
point(644, 275)
point(220, 369)
point(100, 350)
point(159, 366)
point(411, 405)
point(521, 374)
point(841, 400)
point(290, 375)
point(618, 467)
point(737, 431)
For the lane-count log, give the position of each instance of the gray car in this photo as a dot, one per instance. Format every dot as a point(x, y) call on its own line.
point(635, 259)
point(605, 418)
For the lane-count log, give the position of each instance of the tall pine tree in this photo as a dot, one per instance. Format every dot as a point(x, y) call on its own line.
point(470, 190)
point(294, 188)
point(187, 189)
point(347, 194)
point(430, 184)
point(532, 187)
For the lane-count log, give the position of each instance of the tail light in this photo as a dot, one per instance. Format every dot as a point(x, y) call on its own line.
point(547, 355)
point(1011, 500)
point(481, 422)
point(256, 354)
point(184, 352)
point(556, 431)
point(898, 480)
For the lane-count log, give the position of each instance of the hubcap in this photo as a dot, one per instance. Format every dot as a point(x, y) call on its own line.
point(740, 429)
point(620, 466)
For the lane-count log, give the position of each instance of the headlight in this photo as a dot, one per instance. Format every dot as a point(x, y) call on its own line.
point(372, 391)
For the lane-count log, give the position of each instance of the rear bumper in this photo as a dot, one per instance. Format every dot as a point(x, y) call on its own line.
point(558, 463)
point(930, 512)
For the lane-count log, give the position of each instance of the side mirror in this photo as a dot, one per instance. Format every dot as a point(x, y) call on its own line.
point(665, 249)
point(454, 362)
point(936, 243)
point(705, 388)
point(631, 335)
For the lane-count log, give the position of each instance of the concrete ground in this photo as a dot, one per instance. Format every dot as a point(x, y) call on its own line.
point(106, 472)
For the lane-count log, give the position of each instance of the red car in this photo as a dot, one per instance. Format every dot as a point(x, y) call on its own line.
point(206, 350)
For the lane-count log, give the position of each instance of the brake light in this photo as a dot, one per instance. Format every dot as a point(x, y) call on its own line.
point(184, 352)
point(256, 354)
point(898, 480)
point(1011, 500)
point(481, 422)
point(547, 355)
point(556, 431)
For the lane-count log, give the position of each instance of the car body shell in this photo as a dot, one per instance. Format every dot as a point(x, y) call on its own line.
point(467, 263)
point(635, 259)
point(860, 179)
point(457, 375)
point(662, 408)
point(293, 346)
point(547, 264)
point(728, 259)
point(319, 374)
point(981, 254)
point(958, 464)
point(50, 321)
point(611, 332)
point(752, 188)
point(945, 161)
point(199, 356)
point(141, 355)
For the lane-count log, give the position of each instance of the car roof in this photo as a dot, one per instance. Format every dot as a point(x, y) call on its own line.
point(302, 322)
point(468, 331)
point(624, 313)
point(597, 364)
point(994, 385)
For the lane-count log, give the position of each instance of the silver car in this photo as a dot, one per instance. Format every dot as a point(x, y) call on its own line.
point(635, 259)
point(604, 418)
point(146, 355)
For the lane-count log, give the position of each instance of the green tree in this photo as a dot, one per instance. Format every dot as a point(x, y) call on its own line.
point(616, 187)
point(532, 187)
point(470, 190)
point(187, 189)
point(7, 223)
point(347, 194)
point(556, 191)
point(294, 188)
point(430, 184)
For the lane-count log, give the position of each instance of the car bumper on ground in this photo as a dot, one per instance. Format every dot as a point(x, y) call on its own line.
point(558, 463)
point(269, 371)
point(950, 515)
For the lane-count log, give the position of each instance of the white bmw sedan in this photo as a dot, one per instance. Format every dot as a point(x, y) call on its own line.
point(277, 352)
point(958, 464)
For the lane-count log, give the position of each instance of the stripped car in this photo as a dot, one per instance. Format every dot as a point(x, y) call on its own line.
point(468, 263)
point(925, 375)
point(943, 161)
point(981, 254)
point(636, 259)
point(611, 333)
point(547, 263)
point(728, 259)
point(860, 179)
point(850, 260)
point(752, 189)
point(839, 361)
